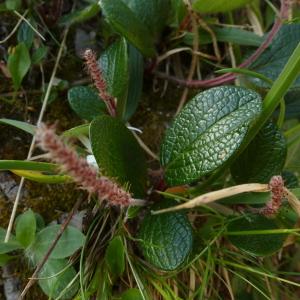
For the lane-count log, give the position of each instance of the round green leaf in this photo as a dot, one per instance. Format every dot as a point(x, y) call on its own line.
point(166, 240)
point(26, 228)
point(18, 64)
point(264, 157)
point(118, 154)
point(207, 132)
point(55, 276)
point(255, 244)
point(71, 240)
point(86, 102)
point(153, 13)
point(125, 22)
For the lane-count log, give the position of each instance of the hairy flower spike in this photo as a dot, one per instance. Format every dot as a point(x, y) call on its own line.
point(276, 186)
point(83, 174)
point(100, 84)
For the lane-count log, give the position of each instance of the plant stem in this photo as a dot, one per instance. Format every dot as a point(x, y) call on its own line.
point(293, 131)
point(285, 4)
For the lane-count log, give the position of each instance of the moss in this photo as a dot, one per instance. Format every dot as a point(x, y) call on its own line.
point(51, 200)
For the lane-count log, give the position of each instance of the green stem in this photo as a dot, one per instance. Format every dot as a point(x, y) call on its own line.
point(277, 91)
point(247, 72)
point(281, 116)
point(293, 131)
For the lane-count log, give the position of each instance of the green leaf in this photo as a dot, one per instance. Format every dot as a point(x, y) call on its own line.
point(153, 13)
point(71, 240)
point(40, 177)
point(18, 64)
point(81, 15)
point(166, 239)
point(290, 179)
point(124, 21)
point(39, 55)
point(32, 170)
point(77, 131)
point(273, 59)
point(26, 228)
point(55, 276)
point(114, 64)
point(237, 36)
point(136, 72)
point(19, 124)
point(4, 259)
point(27, 165)
point(118, 154)
point(247, 198)
point(178, 13)
point(115, 257)
point(217, 6)
point(253, 198)
point(227, 34)
point(207, 132)
point(12, 238)
point(86, 102)
point(40, 223)
point(13, 4)
point(9, 246)
point(26, 34)
point(263, 158)
point(255, 244)
point(132, 294)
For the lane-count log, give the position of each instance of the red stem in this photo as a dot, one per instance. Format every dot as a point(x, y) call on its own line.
point(285, 4)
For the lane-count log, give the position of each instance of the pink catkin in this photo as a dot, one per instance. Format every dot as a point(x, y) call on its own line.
point(83, 174)
point(276, 186)
point(99, 82)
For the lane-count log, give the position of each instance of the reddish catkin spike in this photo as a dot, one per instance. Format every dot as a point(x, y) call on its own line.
point(276, 186)
point(83, 174)
point(99, 82)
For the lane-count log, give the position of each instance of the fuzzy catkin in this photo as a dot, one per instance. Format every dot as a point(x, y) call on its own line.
point(99, 82)
point(82, 173)
point(276, 186)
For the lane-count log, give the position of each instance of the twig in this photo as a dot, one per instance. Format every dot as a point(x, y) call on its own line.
point(15, 28)
point(63, 227)
point(22, 17)
point(41, 115)
point(217, 195)
point(230, 76)
point(145, 147)
point(213, 37)
point(193, 62)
